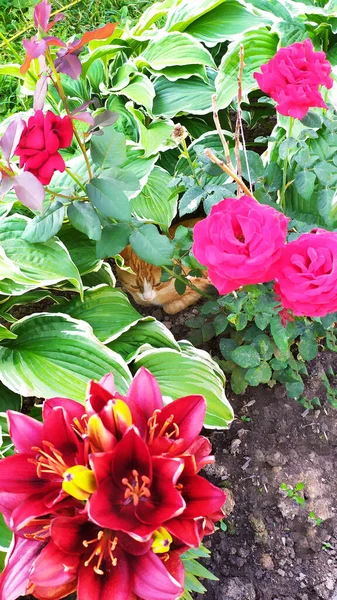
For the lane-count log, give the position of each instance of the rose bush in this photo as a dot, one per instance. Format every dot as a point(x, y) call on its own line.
point(293, 78)
point(306, 280)
point(40, 142)
point(106, 496)
point(240, 242)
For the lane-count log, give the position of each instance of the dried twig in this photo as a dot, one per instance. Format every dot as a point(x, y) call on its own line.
point(238, 120)
point(210, 154)
point(220, 132)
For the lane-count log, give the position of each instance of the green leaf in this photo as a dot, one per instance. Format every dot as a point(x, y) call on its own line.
point(36, 265)
point(151, 246)
point(9, 400)
point(260, 374)
point(220, 323)
point(107, 310)
point(305, 183)
point(140, 90)
point(146, 333)
point(246, 356)
point(279, 334)
point(224, 23)
point(262, 320)
point(81, 249)
point(55, 355)
point(103, 275)
point(238, 382)
point(190, 371)
point(109, 199)
point(5, 535)
point(107, 51)
point(264, 346)
point(154, 137)
point(227, 345)
point(294, 388)
point(109, 149)
point(259, 47)
point(180, 287)
point(190, 200)
point(113, 240)
point(308, 346)
point(189, 95)
point(157, 202)
point(46, 225)
point(175, 49)
point(183, 13)
point(6, 334)
point(83, 217)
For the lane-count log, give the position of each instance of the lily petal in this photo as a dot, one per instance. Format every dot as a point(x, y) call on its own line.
point(153, 580)
point(116, 582)
point(25, 432)
point(145, 392)
point(14, 579)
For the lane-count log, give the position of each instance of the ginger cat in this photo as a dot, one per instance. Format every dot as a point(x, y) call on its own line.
point(146, 288)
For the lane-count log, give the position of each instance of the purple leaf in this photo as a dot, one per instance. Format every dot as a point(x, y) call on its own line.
point(40, 93)
point(11, 138)
point(29, 190)
point(69, 64)
point(6, 184)
point(86, 117)
point(105, 118)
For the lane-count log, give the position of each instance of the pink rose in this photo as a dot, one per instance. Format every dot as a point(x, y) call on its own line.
point(293, 77)
point(306, 280)
point(240, 242)
point(40, 142)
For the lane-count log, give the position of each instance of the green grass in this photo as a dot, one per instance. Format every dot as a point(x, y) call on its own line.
point(17, 15)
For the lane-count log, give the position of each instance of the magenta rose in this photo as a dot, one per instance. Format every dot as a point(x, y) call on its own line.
point(307, 274)
point(40, 142)
point(240, 242)
point(293, 77)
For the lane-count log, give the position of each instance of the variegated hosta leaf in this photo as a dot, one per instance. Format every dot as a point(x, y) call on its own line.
point(190, 371)
point(32, 265)
point(56, 355)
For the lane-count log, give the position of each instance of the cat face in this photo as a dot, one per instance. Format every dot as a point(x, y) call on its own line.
point(144, 286)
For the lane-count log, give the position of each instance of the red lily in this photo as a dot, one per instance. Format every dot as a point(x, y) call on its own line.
point(170, 429)
point(33, 481)
point(136, 491)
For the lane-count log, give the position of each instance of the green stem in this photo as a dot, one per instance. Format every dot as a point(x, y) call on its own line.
point(10, 47)
point(58, 195)
point(188, 283)
point(76, 179)
point(186, 154)
point(285, 167)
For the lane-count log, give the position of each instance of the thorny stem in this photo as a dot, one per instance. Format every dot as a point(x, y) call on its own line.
point(52, 193)
point(220, 132)
point(188, 283)
point(285, 167)
point(238, 120)
point(60, 90)
point(230, 173)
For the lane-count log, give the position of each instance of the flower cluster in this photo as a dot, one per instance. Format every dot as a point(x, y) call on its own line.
point(293, 78)
point(243, 242)
point(103, 499)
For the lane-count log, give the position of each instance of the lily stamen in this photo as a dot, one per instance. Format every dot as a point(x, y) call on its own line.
point(103, 542)
point(134, 490)
point(79, 428)
point(46, 463)
point(152, 425)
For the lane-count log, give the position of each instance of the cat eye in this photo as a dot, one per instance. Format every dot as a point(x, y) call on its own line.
point(157, 285)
